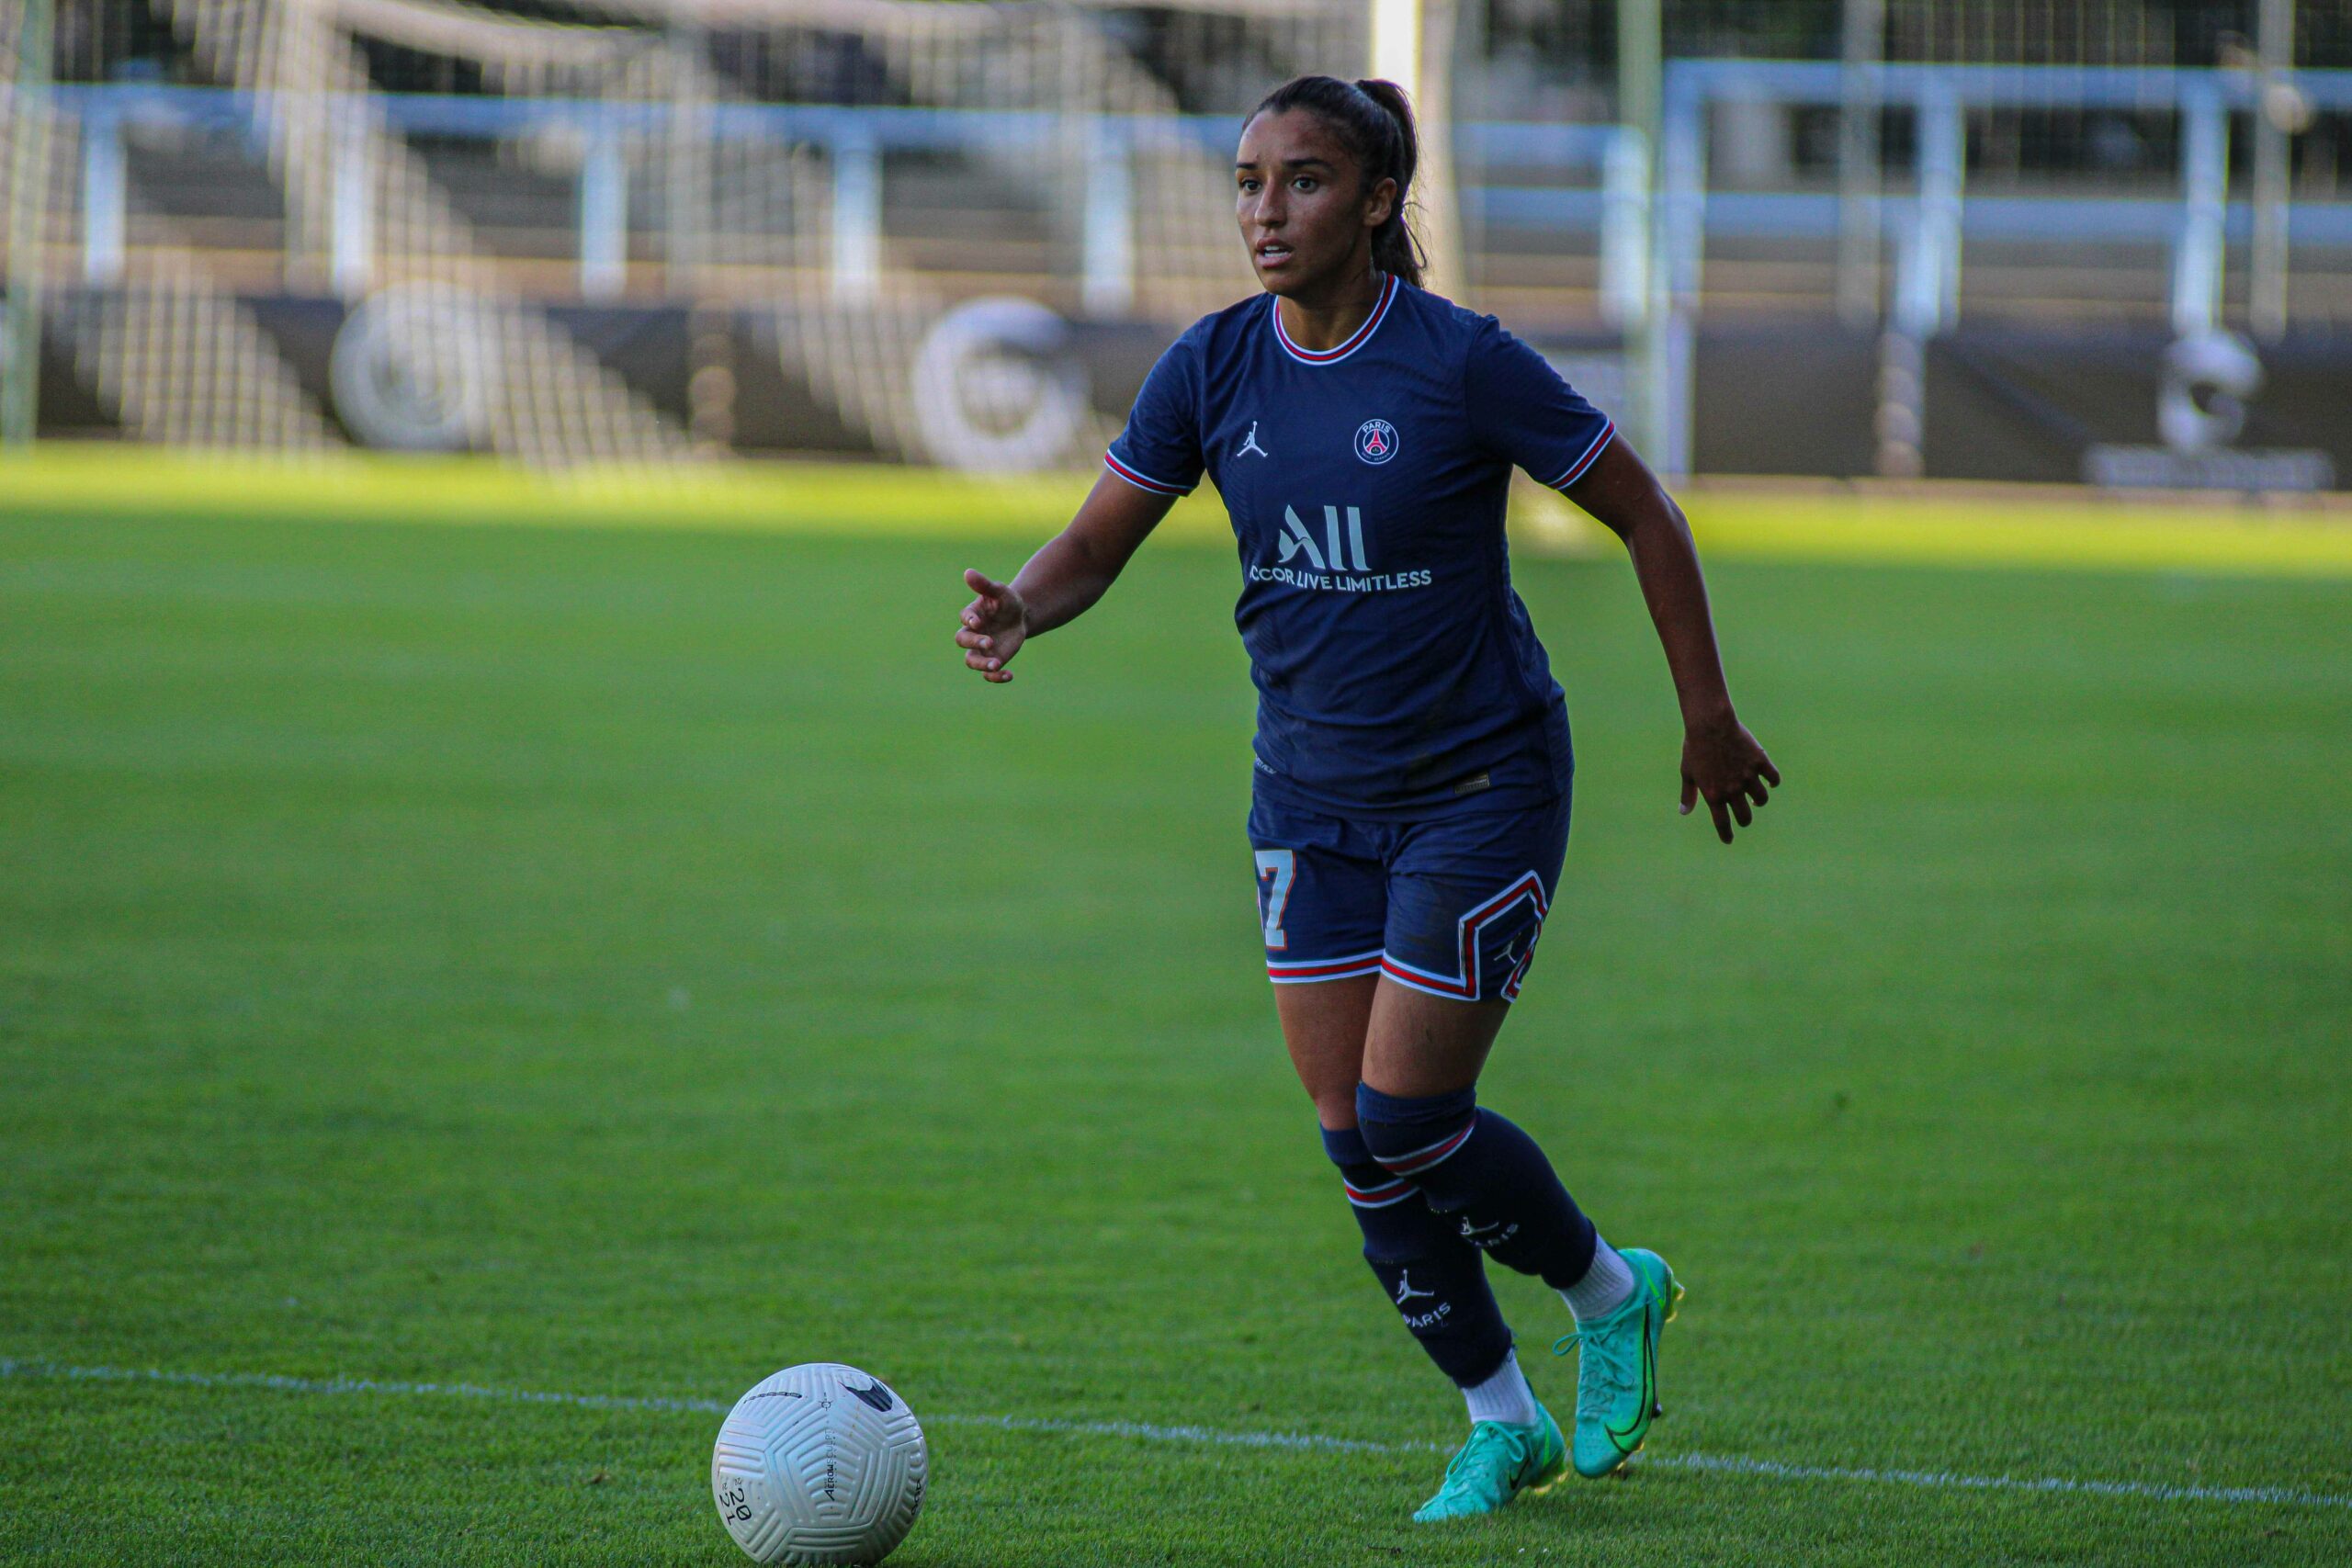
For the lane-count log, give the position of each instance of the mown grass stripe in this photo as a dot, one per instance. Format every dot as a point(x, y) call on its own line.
point(2030, 527)
point(1146, 1431)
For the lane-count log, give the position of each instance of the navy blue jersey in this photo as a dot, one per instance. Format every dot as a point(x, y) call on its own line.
point(1397, 673)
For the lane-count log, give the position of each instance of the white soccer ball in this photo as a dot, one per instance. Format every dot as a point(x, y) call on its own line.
point(820, 1464)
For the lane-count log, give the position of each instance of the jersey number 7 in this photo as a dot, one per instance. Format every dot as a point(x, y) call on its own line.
point(1280, 868)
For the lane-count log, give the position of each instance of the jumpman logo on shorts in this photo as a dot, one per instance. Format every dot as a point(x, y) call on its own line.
point(1249, 444)
point(1406, 1292)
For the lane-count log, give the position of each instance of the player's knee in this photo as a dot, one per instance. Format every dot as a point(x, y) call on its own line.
point(1369, 1187)
point(1397, 1225)
point(1412, 1136)
point(1335, 1101)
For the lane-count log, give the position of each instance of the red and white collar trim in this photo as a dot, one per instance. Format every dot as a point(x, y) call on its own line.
point(1356, 339)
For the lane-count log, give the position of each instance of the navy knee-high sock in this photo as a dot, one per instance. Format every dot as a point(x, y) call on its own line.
point(1485, 1176)
point(1437, 1281)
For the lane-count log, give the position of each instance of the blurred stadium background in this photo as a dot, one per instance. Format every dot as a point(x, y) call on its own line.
point(2070, 241)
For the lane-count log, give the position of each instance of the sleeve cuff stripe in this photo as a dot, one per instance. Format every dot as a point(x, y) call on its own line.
point(1157, 487)
point(1577, 468)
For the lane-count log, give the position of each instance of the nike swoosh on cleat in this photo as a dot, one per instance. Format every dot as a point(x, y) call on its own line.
point(1649, 1393)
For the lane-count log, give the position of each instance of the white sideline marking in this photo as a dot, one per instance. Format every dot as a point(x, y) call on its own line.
point(1937, 1480)
point(1150, 1432)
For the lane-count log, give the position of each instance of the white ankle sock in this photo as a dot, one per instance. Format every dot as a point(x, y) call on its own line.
point(1504, 1396)
point(1604, 1286)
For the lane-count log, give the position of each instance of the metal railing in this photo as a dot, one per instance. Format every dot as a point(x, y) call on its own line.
point(1650, 218)
point(1928, 226)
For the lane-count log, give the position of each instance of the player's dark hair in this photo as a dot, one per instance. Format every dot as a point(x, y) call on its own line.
point(1372, 120)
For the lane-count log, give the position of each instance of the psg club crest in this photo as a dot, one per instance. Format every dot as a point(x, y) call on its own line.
point(1376, 441)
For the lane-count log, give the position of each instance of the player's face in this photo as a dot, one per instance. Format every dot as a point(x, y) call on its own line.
point(1304, 212)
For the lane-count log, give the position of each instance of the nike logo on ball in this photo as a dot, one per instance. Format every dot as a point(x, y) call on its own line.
point(877, 1396)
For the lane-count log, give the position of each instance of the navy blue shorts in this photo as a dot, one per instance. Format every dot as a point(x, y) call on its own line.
point(1452, 906)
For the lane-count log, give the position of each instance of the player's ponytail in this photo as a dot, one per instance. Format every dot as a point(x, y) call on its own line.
point(1375, 119)
point(1395, 247)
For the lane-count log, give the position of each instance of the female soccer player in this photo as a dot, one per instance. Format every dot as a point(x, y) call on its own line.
point(1411, 810)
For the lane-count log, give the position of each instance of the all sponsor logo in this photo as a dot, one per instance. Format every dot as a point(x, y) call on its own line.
point(1296, 539)
point(1332, 559)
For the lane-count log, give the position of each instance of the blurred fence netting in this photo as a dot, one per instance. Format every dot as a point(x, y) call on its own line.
point(957, 232)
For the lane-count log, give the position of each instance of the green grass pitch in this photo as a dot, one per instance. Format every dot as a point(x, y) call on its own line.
point(624, 963)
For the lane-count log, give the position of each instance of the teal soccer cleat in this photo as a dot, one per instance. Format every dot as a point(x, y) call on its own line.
point(1500, 1463)
point(1617, 1368)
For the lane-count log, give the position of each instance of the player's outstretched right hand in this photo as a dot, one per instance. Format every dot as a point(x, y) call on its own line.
point(995, 625)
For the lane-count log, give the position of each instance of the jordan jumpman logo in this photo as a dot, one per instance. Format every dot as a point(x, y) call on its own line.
point(1249, 444)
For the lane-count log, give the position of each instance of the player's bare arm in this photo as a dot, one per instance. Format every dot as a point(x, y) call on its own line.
point(1721, 763)
point(1062, 581)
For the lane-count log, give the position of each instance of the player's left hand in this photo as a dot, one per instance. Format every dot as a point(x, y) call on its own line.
point(1723, 764)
